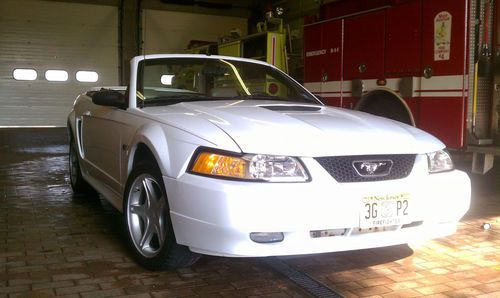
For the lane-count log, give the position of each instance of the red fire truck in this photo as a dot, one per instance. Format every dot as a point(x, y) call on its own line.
point(434, 64)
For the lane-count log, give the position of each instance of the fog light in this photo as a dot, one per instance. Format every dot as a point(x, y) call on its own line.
point(261, 237)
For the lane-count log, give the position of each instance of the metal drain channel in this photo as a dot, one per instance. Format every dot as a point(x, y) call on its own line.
point(301, 279)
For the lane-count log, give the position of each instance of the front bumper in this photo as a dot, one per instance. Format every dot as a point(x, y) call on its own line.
point(216, 217)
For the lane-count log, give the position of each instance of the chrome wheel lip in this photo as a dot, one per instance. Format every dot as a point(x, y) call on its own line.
point(146, 215)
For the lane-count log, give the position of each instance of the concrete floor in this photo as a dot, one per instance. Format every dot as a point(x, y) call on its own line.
point(52, 243)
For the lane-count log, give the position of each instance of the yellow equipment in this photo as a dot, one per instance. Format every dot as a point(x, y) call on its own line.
point(268, 46)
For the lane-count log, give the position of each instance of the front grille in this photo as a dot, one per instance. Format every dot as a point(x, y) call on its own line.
point(341, 167)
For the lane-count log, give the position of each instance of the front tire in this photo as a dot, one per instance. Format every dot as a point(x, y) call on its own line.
point(147, 222)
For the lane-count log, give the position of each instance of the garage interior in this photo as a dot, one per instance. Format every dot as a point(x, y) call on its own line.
point(53, 243)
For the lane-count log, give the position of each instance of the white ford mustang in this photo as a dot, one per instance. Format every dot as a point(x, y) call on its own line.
point(231, 157)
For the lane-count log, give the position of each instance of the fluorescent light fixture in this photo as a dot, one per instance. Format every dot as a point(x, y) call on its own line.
point(56, 75)
point(167, 79)
point(87, 76)
point(24, 74)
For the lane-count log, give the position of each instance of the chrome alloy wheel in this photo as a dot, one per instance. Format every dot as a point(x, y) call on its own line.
point(146, 213)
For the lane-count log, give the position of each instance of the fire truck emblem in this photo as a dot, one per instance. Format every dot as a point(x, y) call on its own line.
point(372, 168)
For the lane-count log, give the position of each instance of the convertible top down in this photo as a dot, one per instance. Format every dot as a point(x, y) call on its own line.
point(232, 157)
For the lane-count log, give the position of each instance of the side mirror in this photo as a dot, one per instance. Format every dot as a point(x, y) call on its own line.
point(110, 98)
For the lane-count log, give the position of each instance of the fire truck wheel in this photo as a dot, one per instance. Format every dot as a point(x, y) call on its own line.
point(386, 104)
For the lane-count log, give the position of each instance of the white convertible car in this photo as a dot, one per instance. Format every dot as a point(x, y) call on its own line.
point(231, 157)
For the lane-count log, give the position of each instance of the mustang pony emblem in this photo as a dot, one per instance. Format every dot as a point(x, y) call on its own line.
point(372, 168)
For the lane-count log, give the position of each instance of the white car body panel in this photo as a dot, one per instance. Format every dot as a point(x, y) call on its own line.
point(297, 209)
point(215, 216)
point(258, 130)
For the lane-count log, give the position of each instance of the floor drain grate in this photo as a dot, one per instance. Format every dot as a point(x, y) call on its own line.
point(303, 280)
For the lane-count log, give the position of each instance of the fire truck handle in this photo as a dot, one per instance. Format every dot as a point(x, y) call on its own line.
point(324, 77)
point(428, 71)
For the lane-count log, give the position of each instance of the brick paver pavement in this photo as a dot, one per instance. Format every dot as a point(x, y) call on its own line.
point(52, 243)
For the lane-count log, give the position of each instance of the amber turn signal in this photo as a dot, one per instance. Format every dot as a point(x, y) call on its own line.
point(208, 163)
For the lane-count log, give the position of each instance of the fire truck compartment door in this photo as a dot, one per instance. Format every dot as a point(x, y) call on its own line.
point(331, 37)
point(313, 52)
point(403, 40)
point(443, 36)
point(364, 46)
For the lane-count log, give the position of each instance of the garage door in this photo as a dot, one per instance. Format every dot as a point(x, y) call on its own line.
point(49, 53)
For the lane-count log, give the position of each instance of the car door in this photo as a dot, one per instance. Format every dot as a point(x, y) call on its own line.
point(101, 143)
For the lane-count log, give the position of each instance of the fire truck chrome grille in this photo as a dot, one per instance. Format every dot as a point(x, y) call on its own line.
point(342, 168)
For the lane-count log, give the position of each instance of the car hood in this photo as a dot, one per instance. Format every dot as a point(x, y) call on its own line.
point(275, 127)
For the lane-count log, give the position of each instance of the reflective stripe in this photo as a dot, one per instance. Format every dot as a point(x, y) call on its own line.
point(437, 86)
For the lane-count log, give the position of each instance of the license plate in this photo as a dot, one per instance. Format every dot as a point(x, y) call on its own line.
point(384, 210)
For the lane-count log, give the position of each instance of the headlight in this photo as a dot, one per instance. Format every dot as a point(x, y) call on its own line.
point(256, 167)
point(439, 161)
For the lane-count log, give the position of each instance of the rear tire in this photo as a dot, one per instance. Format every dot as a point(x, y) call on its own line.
point(147, 222)
point(78, 183)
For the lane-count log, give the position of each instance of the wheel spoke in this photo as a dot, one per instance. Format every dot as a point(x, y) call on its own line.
point(145, 241)
point(161, 208)
point(149, 193)
point(156, 205)
point(139, 211)
point(159, 229)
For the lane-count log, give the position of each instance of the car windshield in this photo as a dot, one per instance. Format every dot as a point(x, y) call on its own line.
point(172, 80)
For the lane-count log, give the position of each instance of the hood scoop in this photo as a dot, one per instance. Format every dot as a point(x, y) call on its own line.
point(292, 108)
